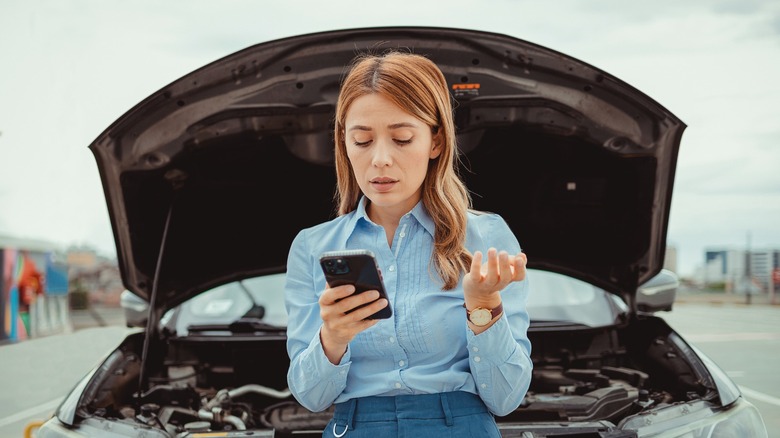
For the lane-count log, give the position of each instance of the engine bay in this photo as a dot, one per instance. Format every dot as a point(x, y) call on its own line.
point(209, 383)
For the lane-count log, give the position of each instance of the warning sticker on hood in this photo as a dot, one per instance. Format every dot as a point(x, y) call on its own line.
point(465, 90)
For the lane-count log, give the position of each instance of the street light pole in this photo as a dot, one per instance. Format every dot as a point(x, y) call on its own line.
point(748, 271)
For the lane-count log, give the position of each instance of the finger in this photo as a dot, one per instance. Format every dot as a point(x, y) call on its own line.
point(505, 268)
point(364, 324)
point(519, 268)
point(492, 267)
point(332, 301)
point(476, 266)
point(370, 309)
point(334, 294)
point(329, 312)
point(360, 299)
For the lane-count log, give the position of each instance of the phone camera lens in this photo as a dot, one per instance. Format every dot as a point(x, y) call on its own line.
point(337, 266)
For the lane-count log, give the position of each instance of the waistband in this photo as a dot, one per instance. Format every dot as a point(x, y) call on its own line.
point(422, 406)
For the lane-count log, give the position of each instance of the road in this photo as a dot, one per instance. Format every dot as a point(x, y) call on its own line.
point(744, 341)
point(35, 375)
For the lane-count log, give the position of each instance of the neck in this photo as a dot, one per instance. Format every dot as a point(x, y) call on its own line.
point(385, 216)
point(388, 217)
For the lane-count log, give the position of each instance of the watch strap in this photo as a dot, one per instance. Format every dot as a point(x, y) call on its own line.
point(493, 312)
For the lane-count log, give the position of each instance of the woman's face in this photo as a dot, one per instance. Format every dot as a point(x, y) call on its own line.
point(389, 150)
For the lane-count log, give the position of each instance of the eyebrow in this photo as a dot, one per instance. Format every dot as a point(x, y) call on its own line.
point(391, 126)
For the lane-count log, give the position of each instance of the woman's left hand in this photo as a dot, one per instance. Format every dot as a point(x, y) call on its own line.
point(482, 284)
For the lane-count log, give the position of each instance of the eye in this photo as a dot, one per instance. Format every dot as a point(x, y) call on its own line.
point(361, 140)
point(402, 142)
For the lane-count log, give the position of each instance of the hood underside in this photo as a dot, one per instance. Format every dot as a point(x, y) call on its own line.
point(209, 179)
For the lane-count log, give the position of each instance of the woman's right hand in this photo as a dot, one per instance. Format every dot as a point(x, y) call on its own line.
point(340, 327)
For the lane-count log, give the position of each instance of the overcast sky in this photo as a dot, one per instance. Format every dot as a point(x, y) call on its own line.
point(68, 69)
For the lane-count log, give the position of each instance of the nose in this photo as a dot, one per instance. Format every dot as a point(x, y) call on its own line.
point(382, 153)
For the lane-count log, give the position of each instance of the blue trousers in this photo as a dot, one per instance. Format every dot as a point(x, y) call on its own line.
point(455, 414)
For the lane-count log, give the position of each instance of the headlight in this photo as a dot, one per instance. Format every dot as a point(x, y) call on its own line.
point(66, 412)
point(746, 422)
point(698, 420)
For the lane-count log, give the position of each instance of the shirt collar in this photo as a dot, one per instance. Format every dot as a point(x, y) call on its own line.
point(418, 212)
point(421, 214)
point(357, 215)
point(360, 211)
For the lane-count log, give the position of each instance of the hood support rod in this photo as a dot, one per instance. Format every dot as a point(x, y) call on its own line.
point(152, 321)
point(629, 297)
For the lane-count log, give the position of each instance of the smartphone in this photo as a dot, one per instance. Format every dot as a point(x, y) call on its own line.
point(359, 268)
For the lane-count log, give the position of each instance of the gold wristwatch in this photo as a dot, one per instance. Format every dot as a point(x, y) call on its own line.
point(481, 316)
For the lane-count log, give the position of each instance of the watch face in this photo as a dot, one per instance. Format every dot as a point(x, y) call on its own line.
point(480, 316)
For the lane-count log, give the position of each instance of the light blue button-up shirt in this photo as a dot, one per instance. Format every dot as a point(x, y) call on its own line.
point(426, 347)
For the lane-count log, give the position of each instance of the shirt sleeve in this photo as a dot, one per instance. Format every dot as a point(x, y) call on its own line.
point(500, 357)
point(313, 380)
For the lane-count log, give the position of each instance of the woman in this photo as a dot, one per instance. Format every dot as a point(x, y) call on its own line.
point(434, 367)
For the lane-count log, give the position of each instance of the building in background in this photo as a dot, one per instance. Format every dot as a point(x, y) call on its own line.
point(742, 271)
point(94, 280)
point(33, 289)
point(39, 285)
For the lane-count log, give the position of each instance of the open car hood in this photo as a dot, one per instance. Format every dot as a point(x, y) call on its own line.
point(209, 179)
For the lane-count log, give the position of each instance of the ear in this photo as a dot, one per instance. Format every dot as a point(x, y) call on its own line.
point(437, 145)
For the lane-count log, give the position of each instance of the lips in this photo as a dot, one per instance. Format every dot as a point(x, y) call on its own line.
point(383, 184)
point(383, 180)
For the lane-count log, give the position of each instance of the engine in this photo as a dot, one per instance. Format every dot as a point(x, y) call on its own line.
point(228, 384)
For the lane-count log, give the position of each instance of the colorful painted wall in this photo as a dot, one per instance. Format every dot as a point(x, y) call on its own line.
point(10, 320)
point(30, 282)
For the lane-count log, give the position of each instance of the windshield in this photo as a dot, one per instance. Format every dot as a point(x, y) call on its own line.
point(553, 298)
point(230, 302)
point(560, 298)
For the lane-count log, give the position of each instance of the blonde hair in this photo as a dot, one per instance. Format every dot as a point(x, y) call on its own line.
point(416, 85)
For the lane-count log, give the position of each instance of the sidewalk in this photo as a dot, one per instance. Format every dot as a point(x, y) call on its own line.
point(36, 374)
point(97, 316)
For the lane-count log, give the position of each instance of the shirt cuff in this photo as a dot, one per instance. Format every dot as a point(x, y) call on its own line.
point(323, 367)
point(495, 344)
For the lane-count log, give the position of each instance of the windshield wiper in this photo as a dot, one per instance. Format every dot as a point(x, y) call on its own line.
point(243, 325)
point(542, 325)
point(257, 310)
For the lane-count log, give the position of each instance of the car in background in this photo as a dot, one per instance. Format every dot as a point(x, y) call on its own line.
point(203, 182)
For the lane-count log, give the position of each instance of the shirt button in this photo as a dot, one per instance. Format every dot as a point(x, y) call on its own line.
point(402, 234)
point(397, 385)
point(392, 268)
point(483, 386)
point(477, 358)
point(392, 340)
point(400, 363)
point(475, 349)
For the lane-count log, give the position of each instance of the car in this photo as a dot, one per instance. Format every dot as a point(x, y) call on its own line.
point(208, 180)
point(134, 309)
